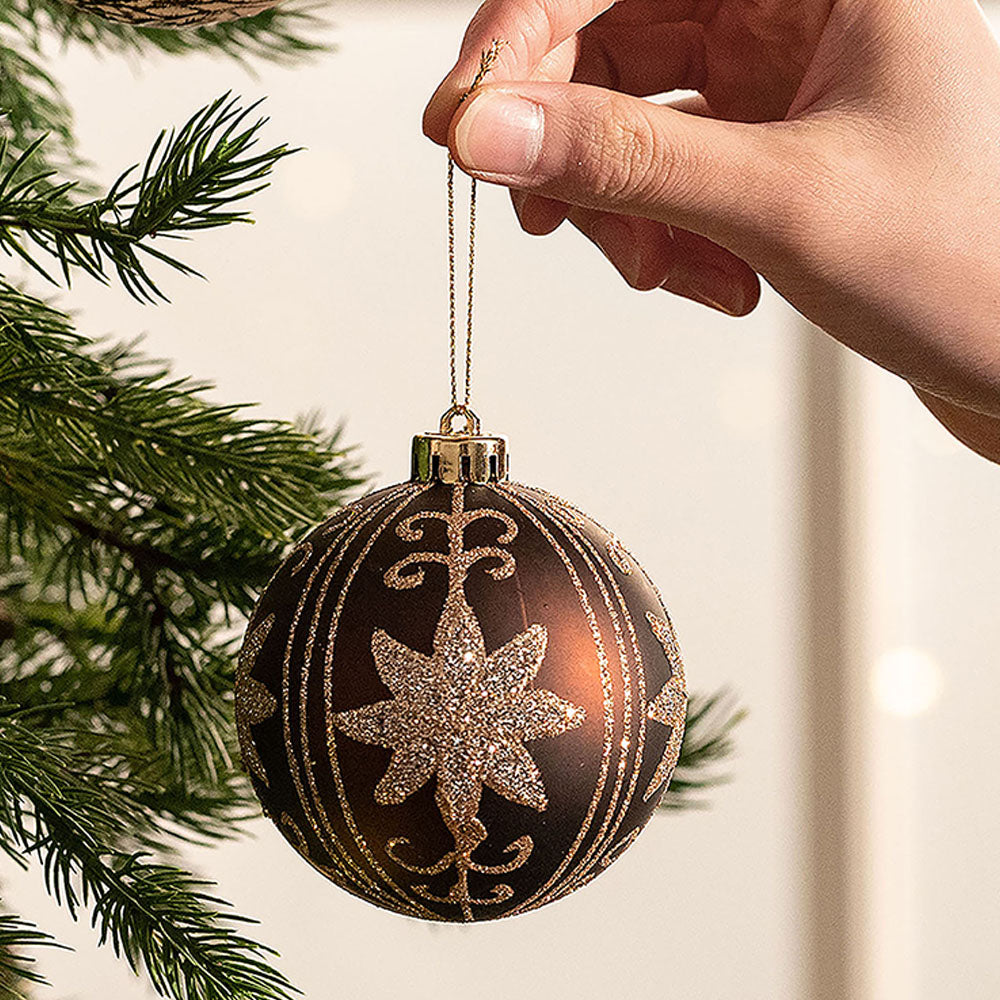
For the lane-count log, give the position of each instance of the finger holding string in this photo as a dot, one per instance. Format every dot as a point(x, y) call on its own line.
point(629, 50)
point(582, 42)
point(589, 41)
point(534, 37)
point(590, 132)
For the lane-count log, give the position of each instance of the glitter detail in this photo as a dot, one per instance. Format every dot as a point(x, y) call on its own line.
point(615, 805)
point(360, 852)
point(346, 523)
point(669, 707)
point(254, 703)
point(298, 839)
point(384, 888)
point(294, 833)
point(621, 847)
point(461, 714)
point(300, 557)
point(618, 555)
point(521, 497)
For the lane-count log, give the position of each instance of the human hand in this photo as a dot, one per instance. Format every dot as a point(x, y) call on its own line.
point(848, 151)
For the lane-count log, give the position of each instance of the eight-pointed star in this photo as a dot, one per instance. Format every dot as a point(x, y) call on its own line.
point(462, 715)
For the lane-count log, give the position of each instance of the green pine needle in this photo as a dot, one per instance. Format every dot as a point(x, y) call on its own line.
point(193, 178)
point(31, 108)
point(139, 523)
point(18, 938)
point(60, 807)
point(708, 740)
point(285, 35)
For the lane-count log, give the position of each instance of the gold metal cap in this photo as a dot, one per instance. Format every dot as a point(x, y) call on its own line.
point(459, 456)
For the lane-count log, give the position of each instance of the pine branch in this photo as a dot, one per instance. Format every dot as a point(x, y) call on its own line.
point(92, 686)
point(58, 807)
point(193, 178)
point(31, 103)
point(17, 969)
point(137, 518)
point(708, 739)
point(32, 108)
point(128, 432)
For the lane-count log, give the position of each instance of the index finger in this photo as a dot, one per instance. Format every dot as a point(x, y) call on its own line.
point(531, 29)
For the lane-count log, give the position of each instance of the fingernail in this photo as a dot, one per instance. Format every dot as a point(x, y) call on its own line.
point(500, 134)
point(617, 243)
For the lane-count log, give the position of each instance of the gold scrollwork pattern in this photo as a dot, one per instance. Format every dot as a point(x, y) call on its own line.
point(460, 714)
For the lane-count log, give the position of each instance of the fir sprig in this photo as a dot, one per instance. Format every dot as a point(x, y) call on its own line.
point(131, 435)
point(708, 740)
point(193, 178)
point(32, 108)
point(59, 808)
point(137, 521)
point(32, 104)
point(18, 939)
point(140, 520)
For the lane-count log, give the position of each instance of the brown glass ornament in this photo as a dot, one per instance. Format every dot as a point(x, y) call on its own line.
point(173, 13)
point(460, 698)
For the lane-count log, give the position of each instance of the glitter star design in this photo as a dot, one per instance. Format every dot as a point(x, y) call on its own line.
point(254, 703)
point(669, 707)
point(463, 715)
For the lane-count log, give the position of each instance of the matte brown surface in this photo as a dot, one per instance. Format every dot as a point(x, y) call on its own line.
point(594, 786)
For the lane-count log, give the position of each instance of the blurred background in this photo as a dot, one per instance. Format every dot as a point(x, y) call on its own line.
point(824, 547)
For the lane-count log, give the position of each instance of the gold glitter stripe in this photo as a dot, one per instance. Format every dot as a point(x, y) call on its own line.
point(299, 839)
point(389, 894)
point(578, 514)
point(607, 836)
point(409, 904)
point(640, 673)
point(621, 847)
point(615, 810)
point(355, 520)
point(625, 745)
point(345, 863)
point(339, 855)
point(510, 492)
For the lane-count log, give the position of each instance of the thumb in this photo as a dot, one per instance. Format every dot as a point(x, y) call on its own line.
point(729, 181)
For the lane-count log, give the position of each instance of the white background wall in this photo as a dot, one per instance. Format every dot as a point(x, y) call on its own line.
point(677, 427)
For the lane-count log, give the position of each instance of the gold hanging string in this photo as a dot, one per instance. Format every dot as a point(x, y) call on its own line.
point(486, 63)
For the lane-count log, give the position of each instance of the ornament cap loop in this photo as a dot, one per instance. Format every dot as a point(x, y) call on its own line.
point(462, 456)
point(459, 410)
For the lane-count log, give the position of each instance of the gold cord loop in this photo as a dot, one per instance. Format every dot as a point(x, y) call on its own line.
point(459, 410)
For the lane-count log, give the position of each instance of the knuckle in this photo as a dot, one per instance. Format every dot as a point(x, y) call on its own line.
point(626, 158)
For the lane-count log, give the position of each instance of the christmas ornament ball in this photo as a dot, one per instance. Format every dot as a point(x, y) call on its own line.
point(173, 13)
point(460, 698)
